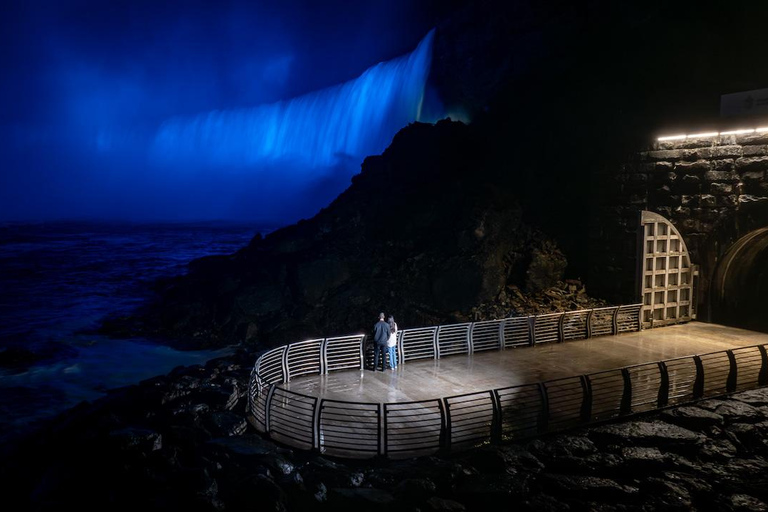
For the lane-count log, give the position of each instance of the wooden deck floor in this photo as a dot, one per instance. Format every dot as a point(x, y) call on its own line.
point(425, 379)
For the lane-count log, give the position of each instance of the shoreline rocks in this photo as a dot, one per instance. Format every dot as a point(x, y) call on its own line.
point(182, 441)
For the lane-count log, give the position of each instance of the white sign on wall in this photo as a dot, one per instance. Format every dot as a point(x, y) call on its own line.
point(746, 103)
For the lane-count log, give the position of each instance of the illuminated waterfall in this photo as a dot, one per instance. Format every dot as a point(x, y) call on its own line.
point(350, 120)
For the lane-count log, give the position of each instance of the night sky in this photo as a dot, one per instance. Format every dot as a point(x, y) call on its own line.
point(86, 84)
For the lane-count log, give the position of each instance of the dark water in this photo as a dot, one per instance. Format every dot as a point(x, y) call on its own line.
point(58, 280)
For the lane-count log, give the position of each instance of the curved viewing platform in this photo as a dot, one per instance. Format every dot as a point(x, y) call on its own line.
point(432, 404)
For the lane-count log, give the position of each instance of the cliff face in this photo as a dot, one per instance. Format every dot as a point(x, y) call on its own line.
point(427, 231)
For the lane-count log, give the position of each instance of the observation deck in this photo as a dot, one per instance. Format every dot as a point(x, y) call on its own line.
point(454, 396)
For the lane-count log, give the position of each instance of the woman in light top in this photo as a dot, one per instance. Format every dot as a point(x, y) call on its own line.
point(392, 343)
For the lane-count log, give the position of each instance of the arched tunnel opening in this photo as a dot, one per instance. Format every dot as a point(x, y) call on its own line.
point(739, 288)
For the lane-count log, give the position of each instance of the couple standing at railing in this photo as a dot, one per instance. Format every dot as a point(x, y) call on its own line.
point(385, 342)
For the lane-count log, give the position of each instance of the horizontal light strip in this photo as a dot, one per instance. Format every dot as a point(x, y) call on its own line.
point(709, 135)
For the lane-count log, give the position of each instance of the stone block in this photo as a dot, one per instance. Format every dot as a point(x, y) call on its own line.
point(666, 154)
point(707, 201)
point(756, 163)
point(720, 176)
point(697, 167)
point(724, 165)
point(758, 150)
point(720, 188)
point(691, 179)
point(682, 211)
point(689, 200)
point(728, 200)
point(753, 176)
point(754, 139)
point(716, 152)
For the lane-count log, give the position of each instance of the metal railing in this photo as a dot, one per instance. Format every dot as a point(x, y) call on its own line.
point(364, 429)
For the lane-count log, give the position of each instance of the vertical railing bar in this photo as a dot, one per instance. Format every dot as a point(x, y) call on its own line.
point(442, 440)
point(663, 398)
point(496, 420)
point(385, 437)
point(589, 323)
point(448, 429)
point(284, 363)
point(730, 384)
point(543, 423)
point(561, 328)
point(615, 321)
point(762, 377)
point(532, 330)
point(470, 344)
point(379, 420)
point(626, 397)
point(502, 326)
point(324, 357)
point(267, 407)
point(586, 400)
point(363, 341)
point(698, 384)
point(400, 349)
point(435, 344)
point(316, 426)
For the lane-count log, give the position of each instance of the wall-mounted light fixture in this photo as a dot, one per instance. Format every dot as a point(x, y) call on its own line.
point(709, 135)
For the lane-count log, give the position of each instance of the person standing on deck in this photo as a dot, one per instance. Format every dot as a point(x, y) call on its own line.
point(392, 343)
point(380, 338)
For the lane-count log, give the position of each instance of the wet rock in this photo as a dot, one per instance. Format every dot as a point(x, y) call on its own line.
point(692, 418)
point(137, 440)
point(740, 412)
point(436, 504)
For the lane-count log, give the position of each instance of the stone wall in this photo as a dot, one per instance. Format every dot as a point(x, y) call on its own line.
point(713, 189)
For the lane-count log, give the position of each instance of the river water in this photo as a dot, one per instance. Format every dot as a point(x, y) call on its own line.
point(59, 280)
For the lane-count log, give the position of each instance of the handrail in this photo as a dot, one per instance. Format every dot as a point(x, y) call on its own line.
point(511, 413)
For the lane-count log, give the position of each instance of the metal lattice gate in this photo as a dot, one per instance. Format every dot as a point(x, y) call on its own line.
point(666, 277)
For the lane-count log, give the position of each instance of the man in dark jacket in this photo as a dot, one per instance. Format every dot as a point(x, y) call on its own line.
point(380, 337)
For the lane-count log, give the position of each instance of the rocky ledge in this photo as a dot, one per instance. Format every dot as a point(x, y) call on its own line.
point(182, 442)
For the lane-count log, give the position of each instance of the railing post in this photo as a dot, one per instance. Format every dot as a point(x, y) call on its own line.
point(532, 330)
point(444, 434)
point(586, 401)
point(762, 377)
point(316, 426)
point(383, 441)
point(615, 322)
point(663, 399)
point(435, 344)
point(698, 384)
point(362, 352)
point(626, 396)
point(267, 407)
point(561, 328)
point(400, 350)
point(543, 423)
point(730, 384)
point(589, 323)
point(470, 344)
point(502, 324)
point(447, 438)
point(284, 363)
point(324, 357)
point(496, 422)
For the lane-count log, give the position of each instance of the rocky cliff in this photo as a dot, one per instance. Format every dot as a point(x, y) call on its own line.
point(430, 231)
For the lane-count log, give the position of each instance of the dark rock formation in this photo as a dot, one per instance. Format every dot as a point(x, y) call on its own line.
point(181, 442)
point(427, 231)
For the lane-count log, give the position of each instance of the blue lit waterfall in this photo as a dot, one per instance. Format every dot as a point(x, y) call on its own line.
point(350, 120)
